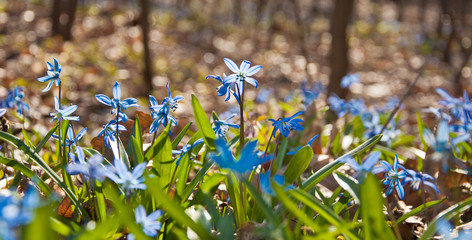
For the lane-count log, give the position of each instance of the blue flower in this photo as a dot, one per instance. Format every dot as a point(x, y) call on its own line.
point(15, 212)
point(440, 144)
point(266, 185)
point(109, 132)
point(347, 80)
point(70, 136)
point(14, 99)
point(93, 168)
point(220, 127)
point(366, 167)
point(225, 88)
point(185, 149)
point(416, 179)
point(63, 113)
point(149, 223)
point(116, 103)
point(438, 113)
point(53, 75)
point(126, 179)
point(171, 102)
point(247, 160)
point(160, 114)
point(455, 105)
point(286, 125)
point(337, 104)
point(242, 73)
point(310, 94)
point(309, 144)
point(393, 178)
point(356, 107)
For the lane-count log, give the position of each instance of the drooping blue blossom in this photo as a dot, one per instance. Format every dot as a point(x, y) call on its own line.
point(366, 167)
point(91, 169)
point(149, 223)
point(288, 124)
point(70, 136)
point(127, 180)
point(247, 160)
point(416, 179)
point(337, 104)
point(226, 87)
point(438, 113)
point(264, 95)
point(266, 185)
point(393, 178)
point(440, 143)
point(14, 100)
point(310, 93)
point(309, 144)
point(109, 132)
point(117, 105)
point(220, 127)
point(53, 75)
point(171, 102)
point(371, 122)
point(455, 105)
point(347, 80)
point(465, 132)
point(160, 114)
point(389, 134)
point(63, 113)
point(185, 149)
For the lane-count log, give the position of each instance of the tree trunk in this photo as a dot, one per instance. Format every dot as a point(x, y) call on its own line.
point(70, 10)
point(55, 15)
point(339, 59)
point(147, 71)
point(66, 11)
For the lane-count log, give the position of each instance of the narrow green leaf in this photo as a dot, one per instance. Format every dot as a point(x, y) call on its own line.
point(179, 137)
point(348, 183)
point(162, 158)
point(203, 123)
point(28, 173)
point(266, 209)
point(323, 210)
point(135, 145)
point(281, 154)
point(45, 139)
point(234, 192)
point(419, 209)
point(373, 219)
point(446, 215)
point(174, 210)
point(40, 227)
point(100, 201)
point(330, 167)
point(59, 227)
point(188, 190)
point(298, 164)
point(16, 142)
point(182, 174)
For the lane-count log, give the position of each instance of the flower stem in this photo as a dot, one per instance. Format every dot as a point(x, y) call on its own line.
point(241, 117)
point(268, 143)
point(117, 130)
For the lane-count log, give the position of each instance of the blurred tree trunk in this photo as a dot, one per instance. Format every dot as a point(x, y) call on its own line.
point(339, 59)
point(63, 16)
point(144, 23)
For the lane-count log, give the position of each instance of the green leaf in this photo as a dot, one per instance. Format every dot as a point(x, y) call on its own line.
point(174, 210)
point(179, 137)
point(16, 142)
point(419, 209)
point(59, 227)
point(281, 154)
point(348, 183)
point(196, 180)
point(266, 208)
point(373, 218)
point(28, 173)
point(162, 158)
point(323, 210)
point(45, 139)
point(135, 146)
point(298, 164)
point(446, 215)
point(330, 167)
point(40, 227)
point(203, 123)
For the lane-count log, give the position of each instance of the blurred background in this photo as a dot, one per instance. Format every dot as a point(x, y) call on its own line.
point(144, 44)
